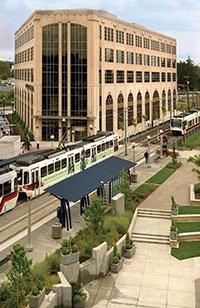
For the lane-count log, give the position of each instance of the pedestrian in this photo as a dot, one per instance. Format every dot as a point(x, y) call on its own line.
point(146, 156)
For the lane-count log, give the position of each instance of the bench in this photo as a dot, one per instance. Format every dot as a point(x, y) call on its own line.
point(157, 158)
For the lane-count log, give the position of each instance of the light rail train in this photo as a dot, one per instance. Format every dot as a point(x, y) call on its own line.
point(185, 122)
point(31, 174)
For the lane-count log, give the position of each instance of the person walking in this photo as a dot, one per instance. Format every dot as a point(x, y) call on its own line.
point(146, 156)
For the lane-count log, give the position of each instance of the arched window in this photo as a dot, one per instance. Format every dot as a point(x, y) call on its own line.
point(169, 101)
point(109, 113)
point(120, 111)
point(163, 102)
point(174, 99)
point(139, 108)
point(147, 106)
point(130, 109)
point(156, 106)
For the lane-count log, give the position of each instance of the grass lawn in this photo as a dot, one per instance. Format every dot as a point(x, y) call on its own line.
point(188, 209)
point(186, 250)
point(161, 176)
point(193, 141)
point(188, 226)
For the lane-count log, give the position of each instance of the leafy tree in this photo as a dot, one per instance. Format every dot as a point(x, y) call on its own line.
point(5, 70)
point(95, 214)
point(188, 69)
point(19, 276)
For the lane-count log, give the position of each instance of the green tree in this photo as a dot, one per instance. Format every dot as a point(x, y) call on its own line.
point(5, 69)
point(192, 71)
point(19, 276)
point(95, 215)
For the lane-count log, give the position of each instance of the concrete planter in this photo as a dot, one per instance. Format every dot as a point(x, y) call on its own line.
point(36, 301)
point(115, 267)
point(70, 258)
point(129, 252)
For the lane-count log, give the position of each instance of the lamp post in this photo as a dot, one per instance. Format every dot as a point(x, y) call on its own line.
point(161, 142)
point(148, 146)
point(4, 105)
point(52, 139)
point(187, 89)
point(29, 246)
point(125, 130)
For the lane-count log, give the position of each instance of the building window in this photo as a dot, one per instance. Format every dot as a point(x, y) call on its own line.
point(49, 127)
point(163, 47)
point(120, 76)
point(50, 70)
point(155, 45)
point(163, 75)
point(64, 69)
point(174, 76)
point(138, 41)
point(130, 76)
point(156, 106)
point(169, 77)
point(138, 76)
point(120, 111)
point(174, 63)
point(130, 109)
point(119, 56)
point(129, 57)
point(146, 76)
point(155, 77)
point(100, 77)
point(100, 54)
point(100, 32)
point(169, 100)
point(147, 106)
point(146, 43)
point(108, 34)
point(78, 70)
point(109, 113)
point(130, 39)
point(168, 62)
point(169, 49)
point(146, 60)
point(139, 108)
point(109, 76)
point(173, 49)
point(109, 55)
point(120, 37)
point(138, 58)
point(163, 103)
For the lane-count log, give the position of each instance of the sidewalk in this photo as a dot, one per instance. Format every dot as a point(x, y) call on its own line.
point(152, 277)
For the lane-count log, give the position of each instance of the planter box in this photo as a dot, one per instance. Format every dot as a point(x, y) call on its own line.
point(130, 252)
point(69, 259)
point(36, 301)
point(115, 268)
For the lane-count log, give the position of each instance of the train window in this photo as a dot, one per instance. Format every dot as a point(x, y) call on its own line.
point(107, 145)
point(43, 171)
point(64, 163)
point(1, 190)
point(111, 143)
point(7, 187)
point(98, 148)
point(103, 147)
point(50, 168)
point(26, 177)
point(87, 153)
point(19, 177)
point(77, 157)
point(57, 166)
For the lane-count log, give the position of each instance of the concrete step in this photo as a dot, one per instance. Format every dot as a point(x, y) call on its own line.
point(150, 238)
point(155, 215)
point(153, 211)
point(153, 241)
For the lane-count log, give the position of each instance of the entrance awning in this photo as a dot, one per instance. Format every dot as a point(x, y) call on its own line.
point(83, 183)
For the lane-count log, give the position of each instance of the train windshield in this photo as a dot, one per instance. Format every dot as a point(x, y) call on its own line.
point(19, 177)
point(176, 123)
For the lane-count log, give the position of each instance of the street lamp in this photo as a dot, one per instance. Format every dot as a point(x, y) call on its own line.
point(161, 142)
point(52, 139)
point(4, 105)
point(148, 146)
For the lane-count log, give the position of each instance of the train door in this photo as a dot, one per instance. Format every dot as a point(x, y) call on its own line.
point(35, 182)
point(70, 161)
point(93, 154)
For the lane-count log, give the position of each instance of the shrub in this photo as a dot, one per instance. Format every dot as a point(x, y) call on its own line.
point(95, 215)
point(116, 257)
point(52, 263)
point(4, 291)
point(77, 293)
point(35, 291)
point(129, 242)
point(68, 246)
point(88, 249)
point(174, 166)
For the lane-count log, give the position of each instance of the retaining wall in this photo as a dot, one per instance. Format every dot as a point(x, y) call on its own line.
point(186, 218)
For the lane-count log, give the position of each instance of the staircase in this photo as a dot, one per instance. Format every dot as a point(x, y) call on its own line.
point(152, 213)
point(150, 237)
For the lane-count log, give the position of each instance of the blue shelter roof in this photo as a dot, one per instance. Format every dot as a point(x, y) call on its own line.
point(77, 186)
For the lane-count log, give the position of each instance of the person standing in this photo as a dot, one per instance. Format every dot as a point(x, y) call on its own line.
point(146, 156)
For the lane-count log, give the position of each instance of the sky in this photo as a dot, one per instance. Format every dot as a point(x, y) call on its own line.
point(177, 18)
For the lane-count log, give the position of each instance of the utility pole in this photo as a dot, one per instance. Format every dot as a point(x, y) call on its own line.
point(187, 89)
point(125, 130)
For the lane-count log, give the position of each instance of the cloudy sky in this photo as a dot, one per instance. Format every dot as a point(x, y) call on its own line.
point(178, 18)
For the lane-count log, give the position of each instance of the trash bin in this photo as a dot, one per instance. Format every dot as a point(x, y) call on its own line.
point(56, 230)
